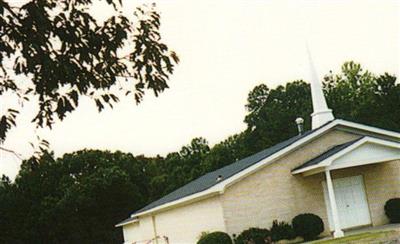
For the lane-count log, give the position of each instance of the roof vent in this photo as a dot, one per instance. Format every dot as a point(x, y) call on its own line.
point(219, 178)
point(300, 125)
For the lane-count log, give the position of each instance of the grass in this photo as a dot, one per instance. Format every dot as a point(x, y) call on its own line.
point(369, 237)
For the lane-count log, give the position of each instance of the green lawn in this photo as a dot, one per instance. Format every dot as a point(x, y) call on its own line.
point(369, 237)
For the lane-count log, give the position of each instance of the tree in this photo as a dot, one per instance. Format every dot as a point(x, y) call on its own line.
point(79, 197)
point(271, 113)
point(225, 152)
point(358, 95)
point(178, 168)
point(55, 51)
point(74, 199)
point(353, 94)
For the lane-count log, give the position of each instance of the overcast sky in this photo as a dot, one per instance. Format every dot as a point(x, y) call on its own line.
point(226, 48)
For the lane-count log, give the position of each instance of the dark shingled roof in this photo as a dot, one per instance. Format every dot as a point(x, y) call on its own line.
point(326, 154)
point(210, 179)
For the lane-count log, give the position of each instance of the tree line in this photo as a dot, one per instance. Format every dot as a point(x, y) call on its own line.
point(79, 197)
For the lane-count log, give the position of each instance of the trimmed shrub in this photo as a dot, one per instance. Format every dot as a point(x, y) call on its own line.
point(282, 231)
point(203, 234)
point(308, 226)
point(392, 210)
point(254, 236)
point(217, 237)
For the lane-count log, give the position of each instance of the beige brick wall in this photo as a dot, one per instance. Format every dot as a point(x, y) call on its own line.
point(185, 224)
point(145, 227)
point(274, 193)
point(182, 225)
point(382, 183)
point(131, 232)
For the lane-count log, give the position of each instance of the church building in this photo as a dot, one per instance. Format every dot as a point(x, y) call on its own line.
point(342, 171)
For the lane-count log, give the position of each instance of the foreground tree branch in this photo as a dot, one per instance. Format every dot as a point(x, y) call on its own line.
point(12, 152)
point(64, 53)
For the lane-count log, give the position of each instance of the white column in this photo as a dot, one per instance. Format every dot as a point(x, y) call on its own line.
point(332, 200)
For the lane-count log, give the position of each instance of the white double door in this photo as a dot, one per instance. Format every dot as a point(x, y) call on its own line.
point(351, 202)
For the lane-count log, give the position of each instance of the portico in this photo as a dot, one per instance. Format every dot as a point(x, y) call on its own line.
point(346, 198)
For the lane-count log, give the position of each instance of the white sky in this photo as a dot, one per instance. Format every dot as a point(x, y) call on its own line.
point(226, 48)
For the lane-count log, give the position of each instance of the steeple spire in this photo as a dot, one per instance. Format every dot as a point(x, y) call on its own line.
point(322, 114)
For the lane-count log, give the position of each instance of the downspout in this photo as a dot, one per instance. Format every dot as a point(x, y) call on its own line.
point(153, 220)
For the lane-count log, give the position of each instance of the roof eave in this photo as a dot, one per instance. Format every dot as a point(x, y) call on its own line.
point(322, 164)
point(127, 222)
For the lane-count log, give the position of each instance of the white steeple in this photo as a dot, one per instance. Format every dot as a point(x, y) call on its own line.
point(321, 114)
